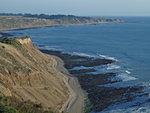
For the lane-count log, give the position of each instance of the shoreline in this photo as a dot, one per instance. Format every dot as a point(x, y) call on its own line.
point(57, 25)
point(75, 103)
point(97, 87)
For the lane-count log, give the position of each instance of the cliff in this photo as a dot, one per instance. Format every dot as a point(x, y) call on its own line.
point(27, 74)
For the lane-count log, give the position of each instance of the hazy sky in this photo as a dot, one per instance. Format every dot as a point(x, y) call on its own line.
point(78, 7)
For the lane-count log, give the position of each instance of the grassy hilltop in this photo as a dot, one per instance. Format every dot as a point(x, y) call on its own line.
point(19, 21)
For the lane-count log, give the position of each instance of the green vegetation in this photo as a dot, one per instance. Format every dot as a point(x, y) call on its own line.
point(88, 106)
point(5, 101)
point(6, 109)
point(39, 105)
point(17, 44)
point(44, 16)
point(12, 105)
point(12, 41)
point(46, 88)
point(5, 106)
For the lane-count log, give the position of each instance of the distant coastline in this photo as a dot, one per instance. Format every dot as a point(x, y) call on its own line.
point(16, 22)
point(11, 29)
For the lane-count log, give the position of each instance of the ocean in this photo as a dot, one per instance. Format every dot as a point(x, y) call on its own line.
point(127, 43)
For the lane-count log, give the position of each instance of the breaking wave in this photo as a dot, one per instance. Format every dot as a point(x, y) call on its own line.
point(108, 57)
point(45, 47)
point(83, 54)
point(125, 76)
point(112, 66)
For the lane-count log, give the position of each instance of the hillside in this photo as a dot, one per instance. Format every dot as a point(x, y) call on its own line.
point(11, 21)
point(28, 75)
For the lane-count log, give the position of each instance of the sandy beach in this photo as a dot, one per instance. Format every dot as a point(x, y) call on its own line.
point(74, 104)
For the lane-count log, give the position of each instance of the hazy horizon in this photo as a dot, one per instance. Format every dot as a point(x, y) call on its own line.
point(78, 7)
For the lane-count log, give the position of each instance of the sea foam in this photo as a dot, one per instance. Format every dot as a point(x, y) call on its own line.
point(112, 67)
point(45, 47)
point(108, 57)
point(128, 72)
point(83, 54)
point(125, 77)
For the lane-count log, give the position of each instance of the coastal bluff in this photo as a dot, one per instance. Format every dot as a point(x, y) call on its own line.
point(26, 74)
point(11, 22)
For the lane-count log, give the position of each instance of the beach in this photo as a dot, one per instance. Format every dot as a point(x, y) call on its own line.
point(74, 104)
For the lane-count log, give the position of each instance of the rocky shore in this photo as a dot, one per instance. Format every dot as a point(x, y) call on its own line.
point(100, 91)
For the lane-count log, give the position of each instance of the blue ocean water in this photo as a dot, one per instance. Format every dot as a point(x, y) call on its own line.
point(128, 43)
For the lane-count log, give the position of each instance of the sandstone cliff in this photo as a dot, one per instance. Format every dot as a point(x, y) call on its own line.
point(29, 75)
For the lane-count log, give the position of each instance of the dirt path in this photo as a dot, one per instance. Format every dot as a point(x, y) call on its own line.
point(76, 101)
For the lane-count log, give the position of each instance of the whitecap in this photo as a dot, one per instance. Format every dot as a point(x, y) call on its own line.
point(112, 66)
point(128, 72)
point(128, 110)
point(125, 77)
point(108, 57)
point(45, 47)
point(83, 54)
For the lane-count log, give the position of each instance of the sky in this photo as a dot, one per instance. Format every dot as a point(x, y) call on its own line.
point(78, 7)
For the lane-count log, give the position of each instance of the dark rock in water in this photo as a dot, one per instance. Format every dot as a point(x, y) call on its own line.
point(72, 61)
point(81, 71)
point(100, 96)
point(103, 97)
point(90, 62)
point(42, 45)
point(96, 79)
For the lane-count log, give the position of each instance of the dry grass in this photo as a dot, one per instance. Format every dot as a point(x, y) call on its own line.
point(28, 74)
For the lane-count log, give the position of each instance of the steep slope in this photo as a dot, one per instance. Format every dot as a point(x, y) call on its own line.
point(28, 74)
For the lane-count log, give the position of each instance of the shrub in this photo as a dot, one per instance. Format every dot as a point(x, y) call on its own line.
point(6, 109)
point(88, 106)
point(12, 41)
point(5, 101)
point(39, 105)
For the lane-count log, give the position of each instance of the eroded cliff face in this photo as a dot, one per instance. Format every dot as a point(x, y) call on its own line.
point(28, 74)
